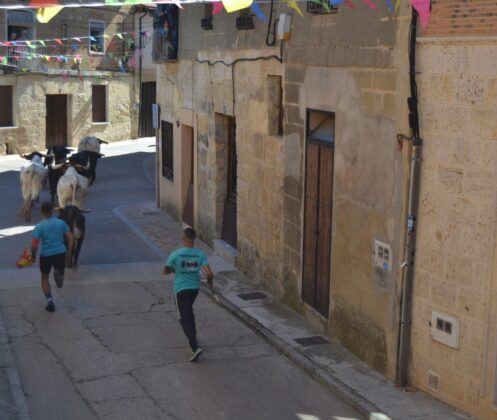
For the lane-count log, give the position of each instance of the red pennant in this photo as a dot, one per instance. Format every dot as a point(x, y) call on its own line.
point(58, 41)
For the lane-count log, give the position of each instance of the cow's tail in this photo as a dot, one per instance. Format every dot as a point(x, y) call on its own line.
point(74, 190)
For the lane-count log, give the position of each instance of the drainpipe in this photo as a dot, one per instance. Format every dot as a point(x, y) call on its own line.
point(140, 71)
point(404, 344)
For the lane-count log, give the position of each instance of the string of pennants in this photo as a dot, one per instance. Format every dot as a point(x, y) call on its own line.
point(51, 7)
point(19, 52)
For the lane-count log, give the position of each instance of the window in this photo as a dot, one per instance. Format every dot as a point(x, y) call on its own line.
point(321, 127)
point(20, 25)
point(167, 151)
point(97, 39)
point(275, 104)
point(99, 103)
point(6, 114)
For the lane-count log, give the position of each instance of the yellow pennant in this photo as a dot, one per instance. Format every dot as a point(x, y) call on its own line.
point(46, 14)
point(293, 4)
point(234, 5)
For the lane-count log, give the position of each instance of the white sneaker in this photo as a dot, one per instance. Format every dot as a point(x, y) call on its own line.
point(196, 355)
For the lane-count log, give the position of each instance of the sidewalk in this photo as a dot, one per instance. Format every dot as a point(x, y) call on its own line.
point(322, 357)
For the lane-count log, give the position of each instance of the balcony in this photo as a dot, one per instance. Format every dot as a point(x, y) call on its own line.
point(49, 60)
point(163, 48)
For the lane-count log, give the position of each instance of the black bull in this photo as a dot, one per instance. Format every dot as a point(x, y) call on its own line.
point(87, 160)
point(75, 219)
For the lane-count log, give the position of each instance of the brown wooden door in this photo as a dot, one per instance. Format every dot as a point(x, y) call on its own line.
point(148, 98)
point(229, 233)
point(317, 226)
point(56, 120)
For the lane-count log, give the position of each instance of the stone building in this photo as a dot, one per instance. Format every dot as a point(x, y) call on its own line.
point(284, 156)
point(87, 86)
point(454, 323)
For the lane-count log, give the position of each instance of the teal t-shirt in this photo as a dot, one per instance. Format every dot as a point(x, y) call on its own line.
point(187, 263)
point(52, 233)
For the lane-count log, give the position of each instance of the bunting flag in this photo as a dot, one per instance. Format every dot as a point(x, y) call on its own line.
point(371, 4)
point(46, 14)
point(256, 10)
point(423, 9)
point(217, 7)
point(235, 5)
point(293, 4)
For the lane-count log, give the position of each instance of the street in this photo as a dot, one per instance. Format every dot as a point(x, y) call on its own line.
point(114, 348)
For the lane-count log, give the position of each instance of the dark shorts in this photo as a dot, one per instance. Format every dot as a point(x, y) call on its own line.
point(57, 261)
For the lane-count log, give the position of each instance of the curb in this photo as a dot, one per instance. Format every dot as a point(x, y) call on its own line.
point(341, 390)
point(7, 361)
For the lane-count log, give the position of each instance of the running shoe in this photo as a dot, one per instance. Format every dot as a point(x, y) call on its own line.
point(196, 355)
point(50, 307)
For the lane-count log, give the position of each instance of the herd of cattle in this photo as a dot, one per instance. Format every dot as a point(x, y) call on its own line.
point(69, 177)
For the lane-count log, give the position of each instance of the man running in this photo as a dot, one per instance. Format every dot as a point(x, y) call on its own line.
point(52, 233)
point(186, 263)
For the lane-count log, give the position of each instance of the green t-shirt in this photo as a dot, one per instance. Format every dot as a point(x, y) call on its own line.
point(187, 263)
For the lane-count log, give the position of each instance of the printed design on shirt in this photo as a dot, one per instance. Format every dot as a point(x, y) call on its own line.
point(189, 264)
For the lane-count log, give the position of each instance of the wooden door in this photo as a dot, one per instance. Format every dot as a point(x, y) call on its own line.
point(188, 209)
point(56, 121)
point(229, 233)
point(317, 224)
point(148, 98)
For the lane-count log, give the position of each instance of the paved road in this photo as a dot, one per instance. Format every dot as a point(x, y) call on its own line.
point(114, 349)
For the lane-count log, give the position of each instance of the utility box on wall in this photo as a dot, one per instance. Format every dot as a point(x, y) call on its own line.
point(445, 329)
point(382, 255)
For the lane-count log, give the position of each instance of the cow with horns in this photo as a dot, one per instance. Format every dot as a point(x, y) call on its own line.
point(89, 148)
point(33, 176)
point(56, 156)
point(72, 187)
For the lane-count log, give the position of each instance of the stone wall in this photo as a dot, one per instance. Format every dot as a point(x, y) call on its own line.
point(30, 109)
point(329, 65)
point(456, 254)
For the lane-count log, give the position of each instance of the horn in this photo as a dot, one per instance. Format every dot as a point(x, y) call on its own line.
point(102, 141)
point(60, 165)
point(19, 152)
point(58, 208)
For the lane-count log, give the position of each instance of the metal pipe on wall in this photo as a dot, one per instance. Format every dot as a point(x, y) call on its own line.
point(140, 112)
point(404, 343)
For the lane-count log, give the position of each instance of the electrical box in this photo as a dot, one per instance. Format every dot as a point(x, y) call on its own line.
point(445, 329)
point(283, 28)
point(382, 255)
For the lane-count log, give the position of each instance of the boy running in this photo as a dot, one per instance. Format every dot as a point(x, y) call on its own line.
point(186, 263)
point(52, 233)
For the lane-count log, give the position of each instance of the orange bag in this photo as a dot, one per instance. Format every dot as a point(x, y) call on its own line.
point(25, 260)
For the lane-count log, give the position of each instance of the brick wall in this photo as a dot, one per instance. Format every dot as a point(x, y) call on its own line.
point(462, 18)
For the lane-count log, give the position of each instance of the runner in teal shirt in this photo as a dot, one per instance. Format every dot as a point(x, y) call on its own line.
point(186, 263)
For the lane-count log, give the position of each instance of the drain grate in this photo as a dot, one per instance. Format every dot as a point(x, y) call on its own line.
point(311, 341)
point(150, 213)
point(252, 296)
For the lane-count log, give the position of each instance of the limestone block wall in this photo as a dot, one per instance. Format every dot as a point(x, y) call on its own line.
point(328, 65)
point(207, 90)
point(29, 102)
point(456, 248)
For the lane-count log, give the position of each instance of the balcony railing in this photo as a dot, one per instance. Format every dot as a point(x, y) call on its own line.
point(24, 58)
point(164, 45)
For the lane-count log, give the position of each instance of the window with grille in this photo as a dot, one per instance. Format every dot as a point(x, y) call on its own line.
point(6, 106)
point(167, 151)
point(99, 103)
point(97, 39)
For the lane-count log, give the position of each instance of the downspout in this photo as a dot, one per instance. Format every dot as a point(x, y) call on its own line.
point(404, 344)
point(140, 116)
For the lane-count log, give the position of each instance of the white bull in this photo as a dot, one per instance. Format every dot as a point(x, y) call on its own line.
point(33, 176)
point(72, 188)
point(90, 144)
